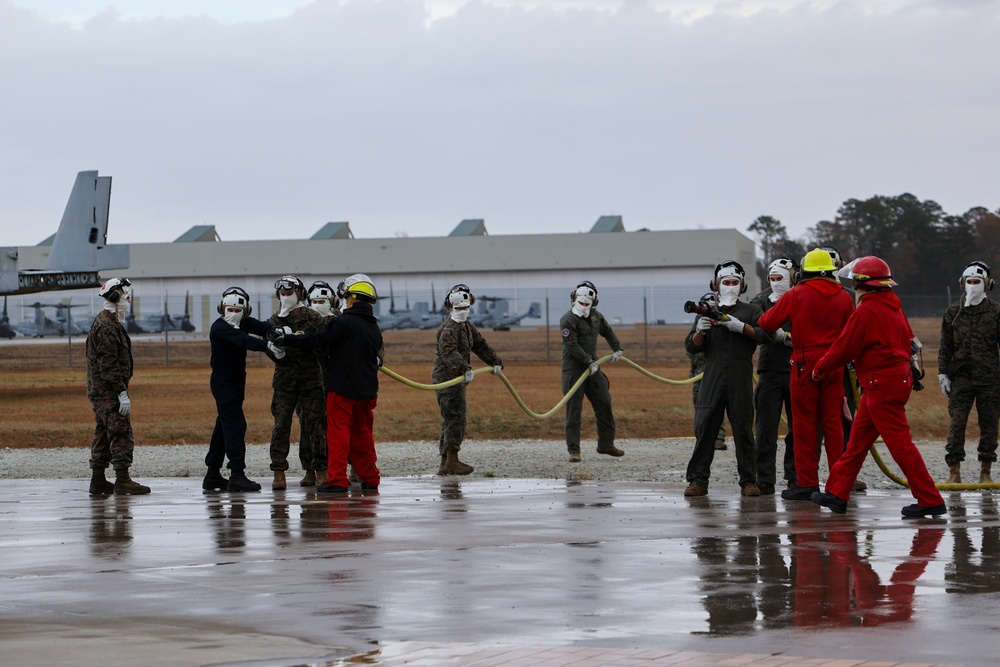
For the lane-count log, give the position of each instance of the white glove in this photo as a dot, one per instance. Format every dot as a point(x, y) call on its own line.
point(779, 336)
point(617, 355)
point(594, 367)
point(286, 330)
point(945, 383)
point(703, 325)
point(734, 325)
point(278, 352)
point(497, 369)
point(469, 377)
point(124, 403)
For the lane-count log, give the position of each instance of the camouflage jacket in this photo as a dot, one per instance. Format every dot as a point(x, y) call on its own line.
point(456, 341)
point(298, 363)
point(109, 357)
point(970, 342)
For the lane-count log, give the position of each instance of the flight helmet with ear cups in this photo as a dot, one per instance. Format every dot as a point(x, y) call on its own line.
point(322, 290)
point(293, 283)
point(459, 296)
point(239, 297)
point(838, 261)
point(726, 269)
point(588, 292)
point(980, 270)
point(114, 288)
point(789, 265)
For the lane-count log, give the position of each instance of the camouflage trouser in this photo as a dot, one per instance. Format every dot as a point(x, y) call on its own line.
point(113, 441)
point(694, 400)
point(452, 404)
point(313, 415)
point(318, 448)
point(964, 393)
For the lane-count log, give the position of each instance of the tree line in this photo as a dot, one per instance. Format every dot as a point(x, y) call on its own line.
point(925, 247)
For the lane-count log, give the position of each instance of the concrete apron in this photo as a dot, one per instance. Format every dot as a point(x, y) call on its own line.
point(179, 577)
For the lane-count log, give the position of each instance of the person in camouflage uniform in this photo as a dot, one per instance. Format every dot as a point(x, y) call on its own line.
point(580, 327)
point(969, 370)
point(297, 381)
point(457, 339)
point(773, 390)
point(324, 300)
point(109, 370)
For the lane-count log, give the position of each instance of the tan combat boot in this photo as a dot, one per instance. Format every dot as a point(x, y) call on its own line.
point(984, 473)
point(452, 466)
point(309, 479)
point(279, 480)
point(956, 474)
point(125, 486)
point(99, 484)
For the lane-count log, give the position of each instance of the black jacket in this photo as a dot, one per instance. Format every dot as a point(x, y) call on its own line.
point(353, 343)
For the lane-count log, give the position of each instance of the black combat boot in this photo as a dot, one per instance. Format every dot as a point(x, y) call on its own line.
point(99, 484)
point(239, 482)
point(214, 481)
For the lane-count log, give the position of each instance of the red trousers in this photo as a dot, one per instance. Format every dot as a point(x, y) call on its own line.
point(883, 411)
point(814, 404)
point(349, 435)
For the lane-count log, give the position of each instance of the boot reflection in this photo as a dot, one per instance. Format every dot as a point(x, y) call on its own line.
point(837, 586)
point(110, 526)
point(974, 569)
point(228, 518)
point(347, 518)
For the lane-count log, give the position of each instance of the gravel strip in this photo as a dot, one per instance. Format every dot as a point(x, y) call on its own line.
point(658, 461)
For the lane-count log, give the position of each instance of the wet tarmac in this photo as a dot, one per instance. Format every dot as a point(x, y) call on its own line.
point(288, 578)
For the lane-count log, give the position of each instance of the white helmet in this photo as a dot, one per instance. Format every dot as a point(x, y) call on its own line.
point(116, 288)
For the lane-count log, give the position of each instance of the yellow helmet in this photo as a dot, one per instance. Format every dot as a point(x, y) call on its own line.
point(818, 261)
point(361, 285)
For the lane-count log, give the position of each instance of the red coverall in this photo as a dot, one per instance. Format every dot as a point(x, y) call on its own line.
point(877, 338)
point(818, 309)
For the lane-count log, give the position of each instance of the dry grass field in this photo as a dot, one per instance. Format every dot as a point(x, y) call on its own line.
point(43, 401)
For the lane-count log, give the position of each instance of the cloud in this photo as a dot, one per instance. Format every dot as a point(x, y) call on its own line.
point(539, 120)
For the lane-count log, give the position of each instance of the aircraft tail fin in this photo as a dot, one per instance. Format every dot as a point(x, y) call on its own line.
point(81, 242)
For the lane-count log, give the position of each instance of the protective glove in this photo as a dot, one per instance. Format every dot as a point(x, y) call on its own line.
point(846, 408)
point(497, 369)
point(124, 403)
point(278, 352)
point(617, 355)
point(817, 376)
point(469, 377)
point(734, 325)
point(378, 360)
point(780, 335)
point(703, 325)
point(594, 367)
point(788, 338)
point(945, 383)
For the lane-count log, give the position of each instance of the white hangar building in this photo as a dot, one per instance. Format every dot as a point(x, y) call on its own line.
point(640, 276)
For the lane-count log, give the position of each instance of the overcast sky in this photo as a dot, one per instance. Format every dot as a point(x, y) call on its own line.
point(269, 118)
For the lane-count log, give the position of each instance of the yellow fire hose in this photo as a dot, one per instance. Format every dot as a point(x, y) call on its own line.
point(513, 392)
point(628, 362)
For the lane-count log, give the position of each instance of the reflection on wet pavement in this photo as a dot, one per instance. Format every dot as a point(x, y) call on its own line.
point(493, 561)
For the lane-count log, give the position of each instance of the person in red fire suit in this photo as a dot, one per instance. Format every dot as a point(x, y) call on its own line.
point(818, 307)
point(878, 339)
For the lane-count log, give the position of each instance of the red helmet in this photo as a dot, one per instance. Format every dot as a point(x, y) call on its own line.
point(871, 273)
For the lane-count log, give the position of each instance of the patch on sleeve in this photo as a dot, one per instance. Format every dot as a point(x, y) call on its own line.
point(566, 333)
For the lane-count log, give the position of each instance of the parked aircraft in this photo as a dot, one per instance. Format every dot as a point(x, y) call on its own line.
point(164, 321)
point(5, 329)
point(505, 323)
point(42, 326)
point(397, 319)
point(80, 248)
